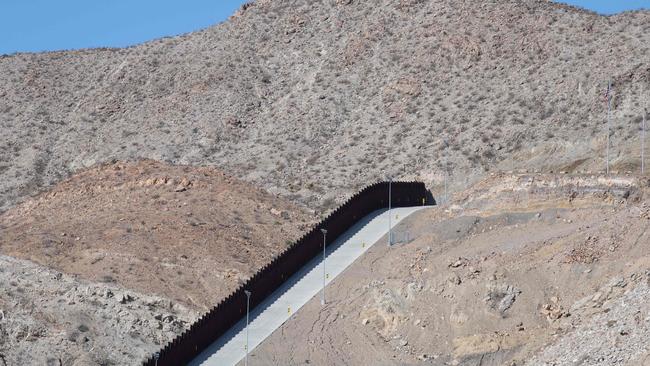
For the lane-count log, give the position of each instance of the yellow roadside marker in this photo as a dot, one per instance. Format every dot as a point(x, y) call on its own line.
point(289, 310)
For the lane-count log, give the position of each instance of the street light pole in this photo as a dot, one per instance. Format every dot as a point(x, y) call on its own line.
point(643, 144)
point(446, 167)
point(390, 232)
point(609, 117)
point(156, 356)
point(446, 196)
point(248, 303)
point(322, 299)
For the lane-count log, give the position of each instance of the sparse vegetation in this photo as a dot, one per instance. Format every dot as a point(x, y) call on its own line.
point(311, 101)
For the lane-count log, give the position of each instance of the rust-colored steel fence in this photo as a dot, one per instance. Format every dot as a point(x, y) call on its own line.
point(213, 324)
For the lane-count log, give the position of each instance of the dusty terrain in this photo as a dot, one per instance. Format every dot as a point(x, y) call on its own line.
point(526, 269)
point(102, 324)
point(308, 101)
point(313, 99)
point(185, 233)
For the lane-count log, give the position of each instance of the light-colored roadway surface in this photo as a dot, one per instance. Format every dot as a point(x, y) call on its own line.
point(300, 288)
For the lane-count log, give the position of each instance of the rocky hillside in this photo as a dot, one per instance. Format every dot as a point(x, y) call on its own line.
point(531, 269)
point(101, 324)
point(188, 234)
point(311, 99)
point(128, 255)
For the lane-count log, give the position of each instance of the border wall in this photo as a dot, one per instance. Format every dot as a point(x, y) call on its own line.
point(213, 324)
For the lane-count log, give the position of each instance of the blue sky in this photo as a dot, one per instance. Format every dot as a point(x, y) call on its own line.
point(610, 6)
point(45, 25)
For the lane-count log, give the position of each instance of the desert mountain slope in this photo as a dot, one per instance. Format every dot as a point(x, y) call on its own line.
point(518, 270)
point(185, 233)
point(312, 99)
point(102, 324)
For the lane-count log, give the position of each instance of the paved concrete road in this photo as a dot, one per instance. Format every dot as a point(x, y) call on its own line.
point(300, 288)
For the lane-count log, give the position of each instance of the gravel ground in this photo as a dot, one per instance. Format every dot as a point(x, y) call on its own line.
point(102, 324)
point(617, 334)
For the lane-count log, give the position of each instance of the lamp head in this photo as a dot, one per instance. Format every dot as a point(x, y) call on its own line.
point(324, 231)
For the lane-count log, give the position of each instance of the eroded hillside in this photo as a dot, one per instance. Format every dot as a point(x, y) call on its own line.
point(189, 234)
point(517, 270)
point(51, 318)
